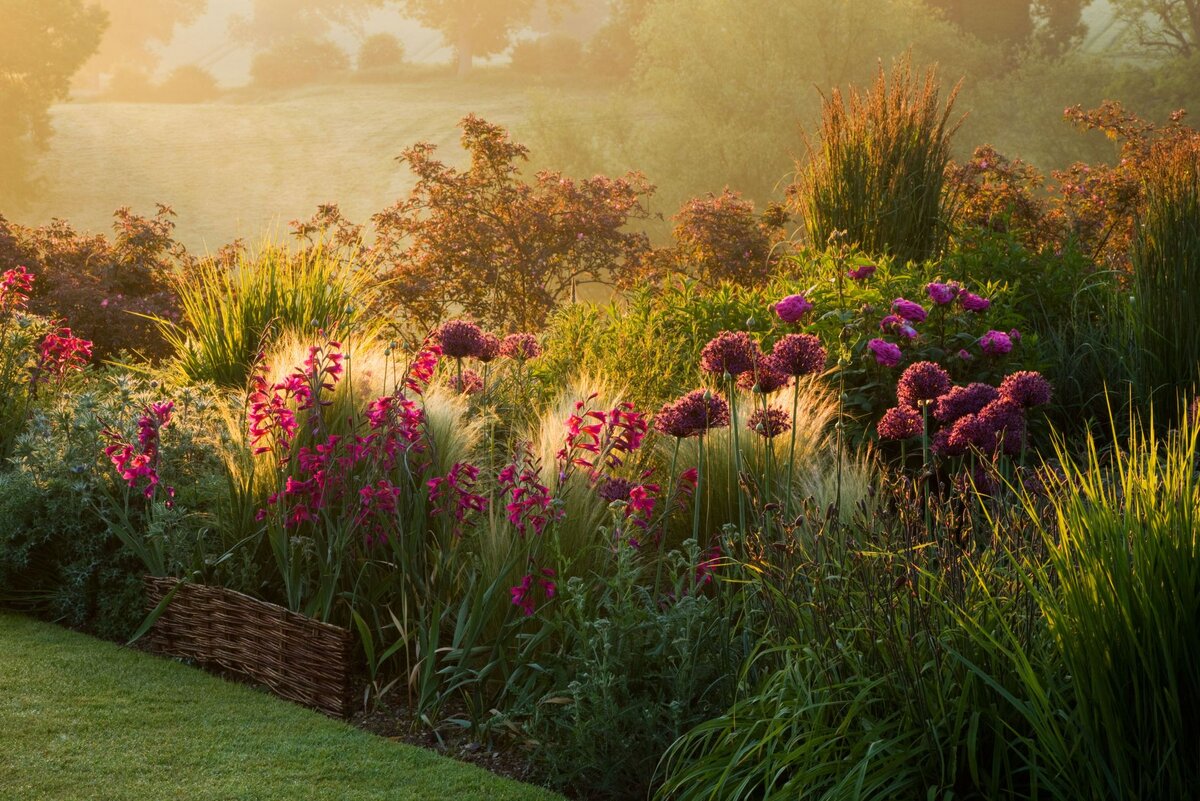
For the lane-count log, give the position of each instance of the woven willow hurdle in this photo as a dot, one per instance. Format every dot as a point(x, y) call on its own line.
point(296, 657)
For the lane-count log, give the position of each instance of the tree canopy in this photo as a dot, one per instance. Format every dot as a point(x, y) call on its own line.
point(42, 45)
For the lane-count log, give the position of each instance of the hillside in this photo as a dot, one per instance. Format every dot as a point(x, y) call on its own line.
point(245, 167)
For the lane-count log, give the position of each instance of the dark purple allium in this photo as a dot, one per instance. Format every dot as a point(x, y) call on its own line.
point(1026, 389)
point(764, 378)
point(862, 273)
point(972, 302)
point(460, 339)
point(901, 422)
point(995, 343)
point(770, 422)
point(793, 308)
point(941, 445)
point(469, 383)
point(913, 312)
point(693, 414)
point(730, 352)
point(489, 348)
point(1006, 421)
point(885, 352)
point(941, 294)
point(798, 354)
point(520, 347)
point(615, 489)
point(922, 382)
point(961, 401)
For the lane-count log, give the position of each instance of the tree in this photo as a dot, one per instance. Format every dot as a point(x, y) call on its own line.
point(272, 22)
point(473, 27)
point(485, 242)
point(1051, 25)
point(42, 45)
point(135, 26)
point(1169, 27)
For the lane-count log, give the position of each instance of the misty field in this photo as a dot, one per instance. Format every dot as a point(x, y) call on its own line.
point(245, 168)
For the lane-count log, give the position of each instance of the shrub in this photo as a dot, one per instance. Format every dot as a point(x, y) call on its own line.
point(61, 556)
point(878, 171)
point(298, 62)
point(103, 288)
point(380, 51)
point(231, 311)
point(484, 242)
point(189, 84)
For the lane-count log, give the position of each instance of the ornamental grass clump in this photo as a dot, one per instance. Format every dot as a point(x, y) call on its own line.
point(878, 170)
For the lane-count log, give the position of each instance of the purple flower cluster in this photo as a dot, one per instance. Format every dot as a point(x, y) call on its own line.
point(798, 354)
point(770, 422)
point(764, 379)
point(905, 315)
point(900, 423)
point(521, 347)
point(961, 401)
point(921, 383)
point(793, 308)
point(460, 339)
point(730, 353)
point(693, 415)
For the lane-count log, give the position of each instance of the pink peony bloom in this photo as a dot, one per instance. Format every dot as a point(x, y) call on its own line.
point(862, 273)
point(792, 308)
point(972, 302)
point(941, 294)
point(913, 312)
point(886, 353)
point(996, 343)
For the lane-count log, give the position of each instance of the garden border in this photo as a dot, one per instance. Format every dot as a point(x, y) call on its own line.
point(296, 657)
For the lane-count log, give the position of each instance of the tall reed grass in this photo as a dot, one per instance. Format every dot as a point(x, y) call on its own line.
point(878, 170)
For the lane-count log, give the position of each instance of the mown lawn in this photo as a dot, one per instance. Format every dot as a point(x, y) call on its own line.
point(85, 719)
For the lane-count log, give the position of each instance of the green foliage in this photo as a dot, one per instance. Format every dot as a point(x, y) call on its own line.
point(380, 51)
point(60, 555)
point(875, 178)
point(1166, 276)
point(43, 44)
point(631, 673)
point(232, 310)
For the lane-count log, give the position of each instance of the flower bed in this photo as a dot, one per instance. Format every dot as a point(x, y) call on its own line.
point(298, 658)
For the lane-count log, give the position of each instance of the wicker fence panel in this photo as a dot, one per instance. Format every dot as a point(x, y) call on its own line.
point(298, 658)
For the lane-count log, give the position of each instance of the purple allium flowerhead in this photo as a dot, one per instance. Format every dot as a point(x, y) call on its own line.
point(615, 489)
point(972, 302)
point(489, 349)
point(468, 384)
point(913, 312)
point(922, 382)
point(770, 422)
point(1026, 389)
point(901, 422)
point(886, 353)
point(764, 379)
point(798, 354)
point(862, 273)
point(460, 339)
point(520, 346)
point(792, 308)
point(730, 352)
point(996, 343)
point(692, 415)
point(940, 444)
point(941, 294)
point(961, 401)
point(1006, 421)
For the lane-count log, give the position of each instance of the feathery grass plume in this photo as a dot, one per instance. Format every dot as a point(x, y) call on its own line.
point(815, 458)
point(231, 312)
point(1166, 274)
point(879, 168)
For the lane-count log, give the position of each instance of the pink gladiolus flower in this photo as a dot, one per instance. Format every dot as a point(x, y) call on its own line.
point(15, 286)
